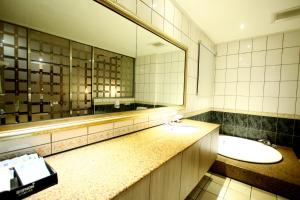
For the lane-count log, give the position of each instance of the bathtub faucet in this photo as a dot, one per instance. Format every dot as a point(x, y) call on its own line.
point(265, 141)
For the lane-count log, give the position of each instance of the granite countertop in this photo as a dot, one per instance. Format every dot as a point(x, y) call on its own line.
point(103, 170)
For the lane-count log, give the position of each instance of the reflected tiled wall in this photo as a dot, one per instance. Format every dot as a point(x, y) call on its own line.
point(160, 78)
point(168, 18)
point(280, 131)
point(259, 74)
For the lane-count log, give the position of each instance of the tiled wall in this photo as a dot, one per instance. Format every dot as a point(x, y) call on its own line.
point(259, 75)
point(59, 141)
point(160, 78)
point(280, 131)
point(168, 18)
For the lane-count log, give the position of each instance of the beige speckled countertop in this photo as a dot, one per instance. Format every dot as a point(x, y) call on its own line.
point(103, 170)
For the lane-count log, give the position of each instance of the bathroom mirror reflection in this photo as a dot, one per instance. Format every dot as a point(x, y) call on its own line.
point(68, 64)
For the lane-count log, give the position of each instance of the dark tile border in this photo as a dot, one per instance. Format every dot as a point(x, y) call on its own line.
point(281, 131)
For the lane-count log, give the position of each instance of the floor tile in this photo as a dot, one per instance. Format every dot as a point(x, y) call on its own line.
point(258, 194)
point(203, 181)
point(215, 188)
point(204, 195)
point(208, 174)
point(240, 187)
point(220, 179)
point(236, 195)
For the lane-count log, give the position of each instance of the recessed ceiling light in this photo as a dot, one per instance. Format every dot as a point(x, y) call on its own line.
point(242, 26)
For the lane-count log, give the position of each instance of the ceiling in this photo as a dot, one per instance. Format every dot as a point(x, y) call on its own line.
point(84, 21)
point(221, 19)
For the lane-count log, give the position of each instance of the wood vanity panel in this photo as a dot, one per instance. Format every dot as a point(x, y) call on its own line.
point(189, 170)
point(165, 181)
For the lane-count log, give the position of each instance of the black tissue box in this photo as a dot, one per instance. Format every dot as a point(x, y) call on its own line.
point(19, 191)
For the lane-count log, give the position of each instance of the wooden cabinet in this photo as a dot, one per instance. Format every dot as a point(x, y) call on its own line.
point(165, 181)
point(204, 158)
point(175, 179)
point(190, 169)
point(138, 191)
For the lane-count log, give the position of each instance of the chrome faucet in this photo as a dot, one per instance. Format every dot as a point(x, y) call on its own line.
point(265, 141)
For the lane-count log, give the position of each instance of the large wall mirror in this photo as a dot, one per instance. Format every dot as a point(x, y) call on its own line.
point(61, 59)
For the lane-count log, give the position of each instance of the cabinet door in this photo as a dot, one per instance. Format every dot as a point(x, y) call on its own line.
point(204, 157)
point(189, 171)
point(139, 191)
point(165, 181)
point(214, 145)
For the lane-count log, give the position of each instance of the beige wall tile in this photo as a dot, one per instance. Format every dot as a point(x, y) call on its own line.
point(62, 135)
point(123, 123)
point(23, 143)
point(42, 150)
point(68, 144)
point(100, 128)
point(97, 137)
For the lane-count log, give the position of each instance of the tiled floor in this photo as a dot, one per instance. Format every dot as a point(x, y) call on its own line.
point(217, 187)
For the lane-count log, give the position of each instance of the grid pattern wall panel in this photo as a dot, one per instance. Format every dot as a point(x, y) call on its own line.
point(13, 50)
point(81, 79)
point(49, 65)
point(113, 75)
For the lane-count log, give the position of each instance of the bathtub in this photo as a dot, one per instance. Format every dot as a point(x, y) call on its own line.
point(247, 150)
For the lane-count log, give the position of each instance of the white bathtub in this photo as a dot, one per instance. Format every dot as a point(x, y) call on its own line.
point(247, 150)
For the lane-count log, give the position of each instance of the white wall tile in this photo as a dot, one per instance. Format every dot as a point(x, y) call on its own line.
point(245, 60)
point(242, 103)
point(222, 49)
point(168, 28)
point(157, 20)
point(244, 74)
point(290, 55)
point(257, 73)
point(221, 62)
point(229, 102)
point(129, 4)
point(219, 88)
point(169, 11)
point(185, 27)
point(259, 58)
point(243, 89)
point(232, 61)
point(158, 6)
point(289, 72)
point(275, 41)
point(177, 18)
point(288, 89)
point(219, 101)
point(272, 73)
point(271, 89)
point(287, 105)
point(260, 43)
point(255, 104)
point(143, 11)
point(274, 57)
point(292, 39)
point(148, 2)
point(231, 75)
point(298, 107)
point(270, 104)
point(233, 47)
point(230, 88)
point(245, 46)
point(256, 89)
